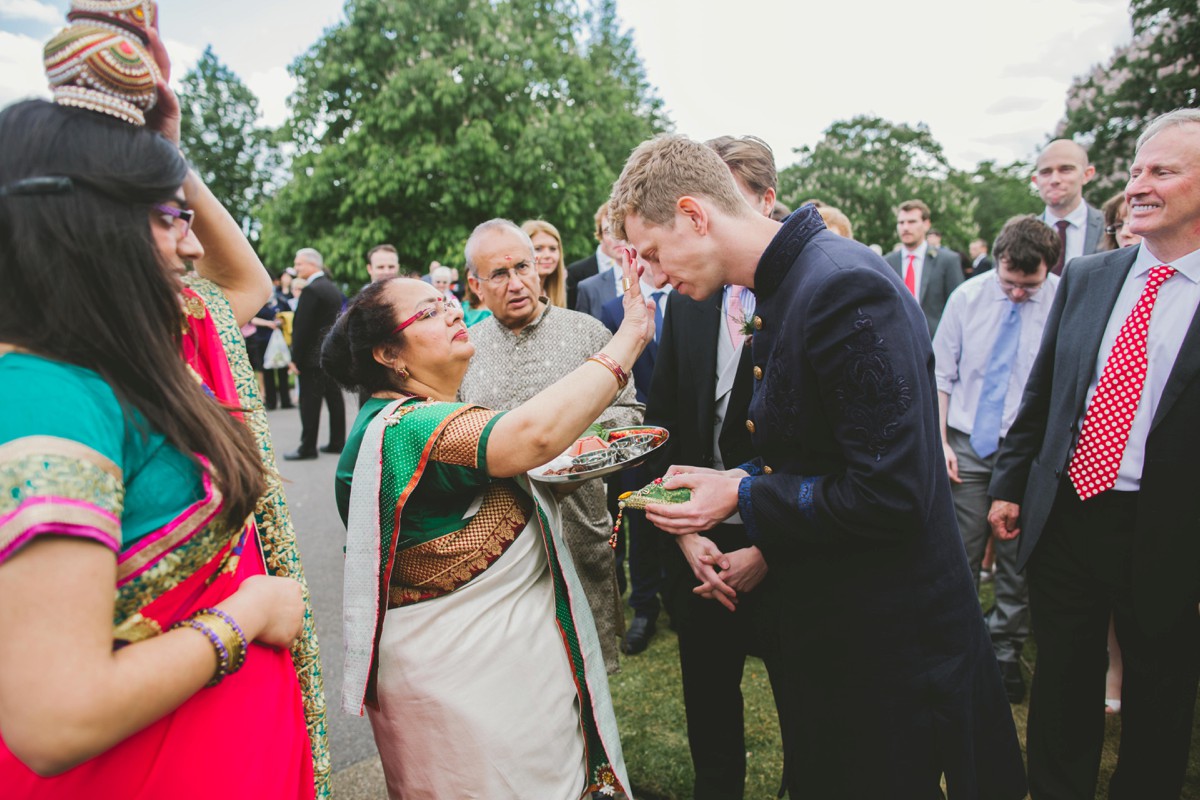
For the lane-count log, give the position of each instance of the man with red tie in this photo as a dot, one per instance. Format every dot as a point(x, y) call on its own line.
point(929, 273)
point(1098, 476)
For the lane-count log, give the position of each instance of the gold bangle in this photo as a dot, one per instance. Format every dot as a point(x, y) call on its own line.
point(233, 640)
point(607, 361)
point(219, 643)
point(232, 653)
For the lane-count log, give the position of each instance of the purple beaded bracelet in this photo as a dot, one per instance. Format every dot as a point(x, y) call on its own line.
point(239, 658)
point(218, 645)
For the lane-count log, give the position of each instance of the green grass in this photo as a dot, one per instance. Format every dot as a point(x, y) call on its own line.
point(648, 697)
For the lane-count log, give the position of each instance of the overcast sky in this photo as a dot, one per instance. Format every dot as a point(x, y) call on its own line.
point(989, 78)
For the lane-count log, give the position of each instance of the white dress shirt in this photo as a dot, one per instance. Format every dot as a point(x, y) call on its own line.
point(962, 345)
point(1174, 310)
point(605, 264)
point(1076, 229)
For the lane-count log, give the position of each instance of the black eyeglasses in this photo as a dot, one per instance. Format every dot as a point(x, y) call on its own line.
point(1113, 230)
point(171, 214)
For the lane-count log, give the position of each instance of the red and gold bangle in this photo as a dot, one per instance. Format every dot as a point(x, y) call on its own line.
point(605, 360)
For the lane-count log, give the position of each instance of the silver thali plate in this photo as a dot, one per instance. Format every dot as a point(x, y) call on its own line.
point(539, 474)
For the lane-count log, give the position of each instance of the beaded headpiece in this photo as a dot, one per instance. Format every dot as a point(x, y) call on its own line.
point(100, 61)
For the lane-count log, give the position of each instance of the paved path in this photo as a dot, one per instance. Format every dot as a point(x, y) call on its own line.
point(321, 536)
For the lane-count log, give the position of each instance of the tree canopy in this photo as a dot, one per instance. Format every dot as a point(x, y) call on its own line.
point(867, 166)
point(220, 136)
point(413, 122)
point(1157, 72)
point(1001, 192)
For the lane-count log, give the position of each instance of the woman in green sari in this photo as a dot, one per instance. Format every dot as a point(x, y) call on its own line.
point(467, 634)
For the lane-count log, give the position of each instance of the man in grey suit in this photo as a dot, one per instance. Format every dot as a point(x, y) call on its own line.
point(930, 273)
point(592, 293)
point(584, 268)
point(1098, 477)
point(1061, 173)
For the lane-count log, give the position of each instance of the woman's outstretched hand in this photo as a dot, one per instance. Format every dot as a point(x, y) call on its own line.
point(639, 312)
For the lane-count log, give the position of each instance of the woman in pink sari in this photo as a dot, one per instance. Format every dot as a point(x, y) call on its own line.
point(140, 632)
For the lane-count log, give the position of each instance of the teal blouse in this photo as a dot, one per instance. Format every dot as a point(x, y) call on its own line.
point(70, 452)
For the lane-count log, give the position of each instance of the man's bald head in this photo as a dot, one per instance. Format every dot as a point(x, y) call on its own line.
point(1062, 170)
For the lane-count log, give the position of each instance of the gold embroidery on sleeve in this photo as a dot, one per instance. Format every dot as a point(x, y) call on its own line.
point(459, 443)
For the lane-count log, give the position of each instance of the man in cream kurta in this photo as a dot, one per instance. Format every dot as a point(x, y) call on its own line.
point(524, 347)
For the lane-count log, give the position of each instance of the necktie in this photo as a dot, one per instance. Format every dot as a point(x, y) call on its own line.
point(1110, 414)
point(735, 317)
point(989, 415)
point(1062, 226)
point(910, 276)
point(659, 298)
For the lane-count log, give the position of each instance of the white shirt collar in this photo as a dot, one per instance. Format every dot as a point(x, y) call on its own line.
point(1189, 265)
point(1077, 218)
point(919, 252)
point(603, 262)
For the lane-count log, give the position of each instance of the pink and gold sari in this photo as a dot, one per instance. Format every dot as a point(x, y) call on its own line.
point(260, 723)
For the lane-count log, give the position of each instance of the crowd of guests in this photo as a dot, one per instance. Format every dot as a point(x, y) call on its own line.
point(851, 433)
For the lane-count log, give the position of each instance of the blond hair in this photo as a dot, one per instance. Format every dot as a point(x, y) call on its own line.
point(836, 221)
point(749, 158)
point(664, 169)
point(601, 213)
point(554, 286)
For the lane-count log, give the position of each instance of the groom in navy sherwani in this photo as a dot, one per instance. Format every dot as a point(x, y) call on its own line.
point(887, 680)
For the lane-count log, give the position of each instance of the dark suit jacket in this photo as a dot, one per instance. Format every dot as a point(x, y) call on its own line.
point(1035, 455)
point(611, 314)
point(984, 265)
point(682, 401)
point(858, 526)
point(594, 292)
point(1093, 229)
point(685, 380)
point(940, 275)
point(576, 272)
point(316, 311)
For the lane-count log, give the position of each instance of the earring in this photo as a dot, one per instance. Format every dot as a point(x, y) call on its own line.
point(402, 373)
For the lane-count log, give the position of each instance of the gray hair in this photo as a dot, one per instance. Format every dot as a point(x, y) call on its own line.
point(484, 228)
point(1180, 116)
point(312, 256)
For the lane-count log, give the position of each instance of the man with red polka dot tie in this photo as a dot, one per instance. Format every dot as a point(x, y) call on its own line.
point(1099, 476)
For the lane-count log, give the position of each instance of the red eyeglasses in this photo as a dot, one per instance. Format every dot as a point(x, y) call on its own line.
point(428, 312)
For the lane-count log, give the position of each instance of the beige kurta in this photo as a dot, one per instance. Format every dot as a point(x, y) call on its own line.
point(507, 370)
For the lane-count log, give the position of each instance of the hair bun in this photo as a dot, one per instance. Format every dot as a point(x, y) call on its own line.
point(100, 61)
